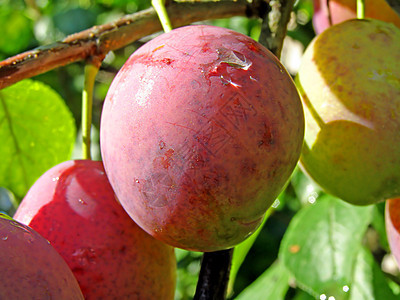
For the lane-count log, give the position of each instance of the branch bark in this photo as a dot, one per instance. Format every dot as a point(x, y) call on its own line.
point(97, 41)
point(274, 26)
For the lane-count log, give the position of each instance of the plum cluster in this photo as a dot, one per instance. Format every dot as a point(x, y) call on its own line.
point(200, 131)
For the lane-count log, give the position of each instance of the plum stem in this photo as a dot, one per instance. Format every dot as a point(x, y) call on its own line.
point(159, 7)
point(214, 275)
point(91, 70)
point(360, 9)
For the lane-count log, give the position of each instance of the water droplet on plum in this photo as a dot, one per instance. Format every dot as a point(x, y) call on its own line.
point(252, 78)
point(228, 81)
point(234, 59)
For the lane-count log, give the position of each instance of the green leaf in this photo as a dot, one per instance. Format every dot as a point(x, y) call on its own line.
point(83, 19)
point(37, 131)
point(321, 245)
point(302, 295)
point(16, 30)
point(378, 222)
point(241, 250)
point(272, 284)
point(307, 191)
point(7, 217)
point(369, 282)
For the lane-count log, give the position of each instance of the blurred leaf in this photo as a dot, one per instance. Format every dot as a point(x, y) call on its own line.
point(37, 132)
point(272, 284)
point(321, 245)
point(240, 24)
point(369, 282)
point(307, 191)
point(302, 295)
point(378, 222)
point(187, 273)
point(74, 20)
point(16, 30)
point(7, 217)
point(241, 250)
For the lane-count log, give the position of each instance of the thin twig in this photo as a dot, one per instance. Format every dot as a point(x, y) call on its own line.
point(99, 40)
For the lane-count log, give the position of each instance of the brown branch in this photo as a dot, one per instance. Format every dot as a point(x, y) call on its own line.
point(99, 40)
point(272, 37)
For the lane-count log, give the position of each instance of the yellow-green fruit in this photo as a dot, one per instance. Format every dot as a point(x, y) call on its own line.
point(350, 84)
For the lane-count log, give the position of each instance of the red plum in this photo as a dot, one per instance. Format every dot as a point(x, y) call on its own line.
point(200, 130)
point(74, 207)
point(30, 267)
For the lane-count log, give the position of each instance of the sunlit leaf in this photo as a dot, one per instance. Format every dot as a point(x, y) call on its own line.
point(322, 243)
point(241, 250)
point(37, 131)
point(16, 30)
point(378, 222)
point(368, 281)
point(272, 284)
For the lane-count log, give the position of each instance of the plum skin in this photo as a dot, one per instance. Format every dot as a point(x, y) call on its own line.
point(30, 267)
point(74, 207)
point(350, 91)
point(200, 130)
point(392, 223)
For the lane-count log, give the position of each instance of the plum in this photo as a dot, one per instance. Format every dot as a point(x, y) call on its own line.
point(392, 223)
point(74, 207)
point(349, 79)
point(342, 10)
point(30, 267)
point(200, 130)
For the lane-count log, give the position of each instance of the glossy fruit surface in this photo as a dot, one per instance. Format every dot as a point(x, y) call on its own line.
point(392, 222)
point(350, 82)
point(341, 10)
point(200, 130)
point(74, 207)
point(30, 267)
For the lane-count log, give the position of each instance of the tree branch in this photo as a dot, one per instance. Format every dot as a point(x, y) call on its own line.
point(99, 40)
point(274, 25)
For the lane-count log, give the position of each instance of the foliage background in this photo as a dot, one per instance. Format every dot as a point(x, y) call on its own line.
point(290, 250)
